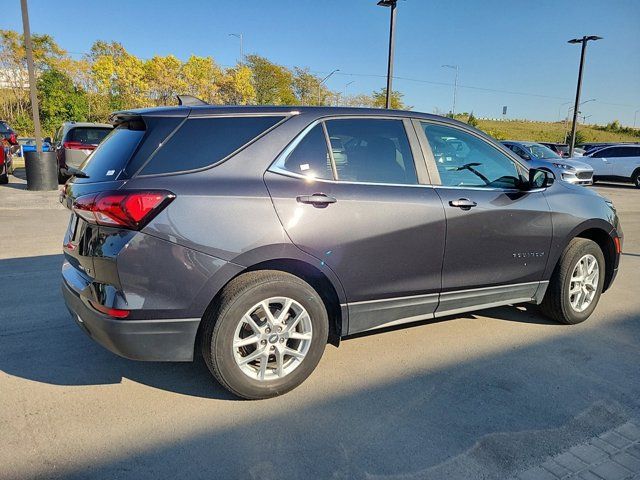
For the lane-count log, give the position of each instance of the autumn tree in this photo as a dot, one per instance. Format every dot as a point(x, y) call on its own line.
point(163, 77)
point(272, 82)
point(380, 99)
point(236, 87)
point(201, 77)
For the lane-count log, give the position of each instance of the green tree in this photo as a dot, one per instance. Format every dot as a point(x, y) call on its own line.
point(272, 82)
point(202, 78)
point(60, 100)
point(380, 99)
point(308, 89)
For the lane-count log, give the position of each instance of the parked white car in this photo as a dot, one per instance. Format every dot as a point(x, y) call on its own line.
point(620, 163)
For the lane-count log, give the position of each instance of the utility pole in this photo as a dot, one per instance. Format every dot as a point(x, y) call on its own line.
point(392, 41)
point(583, 41)
point(32, 75)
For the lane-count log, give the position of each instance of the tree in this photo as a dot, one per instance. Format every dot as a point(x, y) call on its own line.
point(164, 79)
point(272, 82)
point(236, 87)
point(202, 78)
point(60, 100)
point(380, 99)
point(472, 120)
point(308, 89)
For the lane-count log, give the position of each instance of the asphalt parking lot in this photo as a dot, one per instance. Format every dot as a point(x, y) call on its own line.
point(490, 395)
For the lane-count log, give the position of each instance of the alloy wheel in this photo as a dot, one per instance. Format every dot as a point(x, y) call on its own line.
point(584, 283)
point(272, 338)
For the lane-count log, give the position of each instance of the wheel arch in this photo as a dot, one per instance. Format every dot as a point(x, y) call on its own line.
point(606, 243)
point(324, 282)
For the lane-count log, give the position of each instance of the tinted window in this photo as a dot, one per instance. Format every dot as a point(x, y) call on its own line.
point(463, 159)
point(87, 135)
point(201, 142)
point(106, 161)
point(310, 157)
point(605, 152)
point(371, 150)
point(624, 152)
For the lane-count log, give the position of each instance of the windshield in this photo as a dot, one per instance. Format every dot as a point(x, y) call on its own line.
point(540, 151)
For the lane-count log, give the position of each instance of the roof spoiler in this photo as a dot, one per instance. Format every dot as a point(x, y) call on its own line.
point(190, 101)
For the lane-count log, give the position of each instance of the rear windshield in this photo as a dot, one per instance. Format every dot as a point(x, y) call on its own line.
point(201, 142)
point(88, 135)
point(111, 156)
point(4, 128)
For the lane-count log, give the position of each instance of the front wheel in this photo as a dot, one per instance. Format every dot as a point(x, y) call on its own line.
point(635, 178)
point(265, 334)
point(576, 283)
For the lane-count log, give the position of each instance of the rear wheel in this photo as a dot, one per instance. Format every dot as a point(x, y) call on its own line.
point(635, 178)
point(4, 178)
point(576, 283)
point(265, 334)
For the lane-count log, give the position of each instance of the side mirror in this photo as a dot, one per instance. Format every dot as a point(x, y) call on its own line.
point(540, 178)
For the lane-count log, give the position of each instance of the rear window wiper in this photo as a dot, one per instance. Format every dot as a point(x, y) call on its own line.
point(75, 172)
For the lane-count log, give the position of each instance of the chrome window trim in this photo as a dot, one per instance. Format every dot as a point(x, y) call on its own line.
point(277, 165)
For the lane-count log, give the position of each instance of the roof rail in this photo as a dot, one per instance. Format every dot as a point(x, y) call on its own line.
point(190, 100)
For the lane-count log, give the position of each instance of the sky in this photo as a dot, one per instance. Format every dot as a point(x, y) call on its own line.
point(510, 53)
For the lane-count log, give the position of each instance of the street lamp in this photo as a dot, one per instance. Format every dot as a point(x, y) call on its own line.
point(324, 80)
point(345, 90)
point(635, 117)
point(566, 120)
point(455, 87)
point(583, 41)
point(239, 37)
point(560, 108)
point(392, 23)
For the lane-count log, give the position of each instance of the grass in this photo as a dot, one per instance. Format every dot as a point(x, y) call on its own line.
point(549, 131)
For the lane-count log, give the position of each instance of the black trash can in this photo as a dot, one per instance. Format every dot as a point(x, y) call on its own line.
point(41, 170)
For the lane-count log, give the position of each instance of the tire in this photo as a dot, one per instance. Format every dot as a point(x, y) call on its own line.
point(225, 324)
point(4, 179)
point(557, 303)
point(635, 178)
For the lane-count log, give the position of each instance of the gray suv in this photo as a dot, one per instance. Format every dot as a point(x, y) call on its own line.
point(254, 236)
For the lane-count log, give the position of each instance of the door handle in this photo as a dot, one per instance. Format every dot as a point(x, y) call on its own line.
point(463, 203)
point(319, 200)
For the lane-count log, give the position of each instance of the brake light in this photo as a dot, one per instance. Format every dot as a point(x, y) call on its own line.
point(12, 139)
point(78, 146)
point(128, 209)
point(112, 312)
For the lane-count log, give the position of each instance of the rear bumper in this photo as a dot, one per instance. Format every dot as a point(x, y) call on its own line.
point(151, 340)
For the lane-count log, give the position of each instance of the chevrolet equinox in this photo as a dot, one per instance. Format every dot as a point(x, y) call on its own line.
point(254, 236)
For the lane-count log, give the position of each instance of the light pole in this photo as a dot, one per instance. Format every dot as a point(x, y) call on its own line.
point(324, 80)
point(239, 37)
point(560, 108)
point(583, 41)
point(566, 120)
point(353, 81)
point(635, 117)
point(584, 117)
point(455, 87)
point(392, 24)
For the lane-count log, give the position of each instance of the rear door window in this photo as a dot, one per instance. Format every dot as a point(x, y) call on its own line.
point(111, 156)
point(204, 141)
point(311, 156)
point(88, 135)
point(372, 150)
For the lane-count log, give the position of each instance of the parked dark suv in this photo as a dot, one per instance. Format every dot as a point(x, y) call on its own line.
point(255, 235)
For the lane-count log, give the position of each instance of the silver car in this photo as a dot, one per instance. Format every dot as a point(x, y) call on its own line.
point(542, 157)
point(74, 142)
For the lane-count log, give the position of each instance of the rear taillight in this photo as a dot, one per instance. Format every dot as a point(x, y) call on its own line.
point(12, 139)
point(127, 209)
point(78, 146)
point(112, 312)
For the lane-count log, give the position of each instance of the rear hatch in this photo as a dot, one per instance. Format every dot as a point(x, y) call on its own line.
point(91, 248)
point(80, 142)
